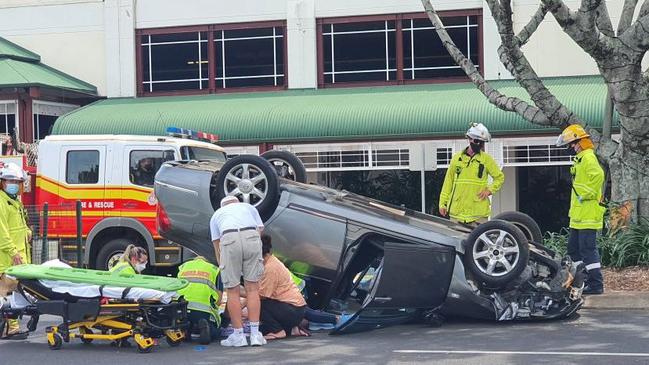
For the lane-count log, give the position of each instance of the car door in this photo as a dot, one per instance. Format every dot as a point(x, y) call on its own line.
point(407, 279)
point(83, 178)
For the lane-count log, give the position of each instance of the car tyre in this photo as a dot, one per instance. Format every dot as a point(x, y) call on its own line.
point(525, 223)
point(109, 253)
point(496, 253)
point(286, 164)
point(253, 180)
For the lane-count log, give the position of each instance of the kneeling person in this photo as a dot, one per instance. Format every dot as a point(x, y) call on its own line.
point(203, 297)
point(133, 261)
point(282, 304)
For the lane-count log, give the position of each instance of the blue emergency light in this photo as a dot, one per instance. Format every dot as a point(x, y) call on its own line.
point(191, 134)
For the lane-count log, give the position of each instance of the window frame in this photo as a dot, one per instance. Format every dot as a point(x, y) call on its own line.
point(138, 149)
point(211, 50)
point(398, 18)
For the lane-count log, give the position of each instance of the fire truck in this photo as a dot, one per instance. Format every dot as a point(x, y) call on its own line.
point(112, 176)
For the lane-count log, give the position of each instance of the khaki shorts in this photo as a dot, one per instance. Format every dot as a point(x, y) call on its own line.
point(473, 224)
point(240, 256)
point(7, 285)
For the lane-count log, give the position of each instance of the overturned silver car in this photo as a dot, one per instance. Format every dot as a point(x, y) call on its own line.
point(385, 264)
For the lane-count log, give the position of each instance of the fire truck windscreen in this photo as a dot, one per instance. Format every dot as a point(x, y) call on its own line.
point(201, 153)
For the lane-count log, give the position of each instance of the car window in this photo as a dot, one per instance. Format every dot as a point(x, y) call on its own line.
point(201, 153)
point(143, 165)
point(82, 167)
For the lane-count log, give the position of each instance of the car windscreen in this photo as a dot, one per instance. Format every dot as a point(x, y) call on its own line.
point(201, 153)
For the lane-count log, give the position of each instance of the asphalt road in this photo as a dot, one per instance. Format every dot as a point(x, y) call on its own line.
point(597, 337)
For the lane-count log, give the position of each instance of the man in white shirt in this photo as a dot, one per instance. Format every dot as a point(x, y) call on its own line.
point(235, 229)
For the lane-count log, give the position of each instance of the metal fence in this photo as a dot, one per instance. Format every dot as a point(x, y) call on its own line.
point(56, 233)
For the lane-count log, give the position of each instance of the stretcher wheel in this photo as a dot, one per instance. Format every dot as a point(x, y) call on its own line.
point(86, 331)
point(172, 342)
point(55, 342)
point(144, 349)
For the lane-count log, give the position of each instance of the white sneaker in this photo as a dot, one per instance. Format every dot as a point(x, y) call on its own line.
point(257, 340)
point(235, 340)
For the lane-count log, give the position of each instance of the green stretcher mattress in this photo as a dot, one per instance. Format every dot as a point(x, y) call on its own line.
point(96, 277)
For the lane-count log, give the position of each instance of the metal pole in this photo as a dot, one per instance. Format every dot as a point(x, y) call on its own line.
point(79, 238)
point(423, 191)
point(608, 116)
point(45, 249)
point(423, 179)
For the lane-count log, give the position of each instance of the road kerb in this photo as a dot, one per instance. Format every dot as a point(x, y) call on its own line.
point(618, 300)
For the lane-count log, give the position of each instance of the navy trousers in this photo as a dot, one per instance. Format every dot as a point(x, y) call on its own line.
point(582, 246)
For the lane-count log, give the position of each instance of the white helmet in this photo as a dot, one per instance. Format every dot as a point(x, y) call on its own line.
point(478, 131)
point(11, 171)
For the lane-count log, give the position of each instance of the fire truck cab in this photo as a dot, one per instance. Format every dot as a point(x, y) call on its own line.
point(112, 176)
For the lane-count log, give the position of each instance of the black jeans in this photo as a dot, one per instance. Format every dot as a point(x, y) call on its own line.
point(195, 316)
point(582, 246)
point(277, 316)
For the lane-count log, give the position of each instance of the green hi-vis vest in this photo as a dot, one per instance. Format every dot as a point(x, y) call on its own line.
point(201, 293)
point(588, 177)
point(465, 178)
point(122, 268)
point(14, 232)
point(299, 282)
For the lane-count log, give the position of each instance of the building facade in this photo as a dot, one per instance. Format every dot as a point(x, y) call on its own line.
point(186, 52)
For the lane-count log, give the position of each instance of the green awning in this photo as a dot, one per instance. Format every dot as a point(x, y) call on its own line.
point(339, 114)
point(22, 68)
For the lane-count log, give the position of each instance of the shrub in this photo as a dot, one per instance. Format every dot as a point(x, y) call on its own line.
point(627, 248)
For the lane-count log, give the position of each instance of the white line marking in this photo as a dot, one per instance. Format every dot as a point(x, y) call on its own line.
point(551, 353)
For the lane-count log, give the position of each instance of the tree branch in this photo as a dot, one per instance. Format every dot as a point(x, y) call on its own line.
point(627, 16)
point(644, 9)
point(524, 35)
point(510, 104)
point(603, 20)
point(638, 34)
point(516, 62)
point(582, 27)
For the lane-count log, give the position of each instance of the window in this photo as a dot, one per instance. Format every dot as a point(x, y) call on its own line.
point(177, 61)
point(424, 55)
point(7, 117)
point(201, 153)
point(44, 115)
point(396, 49)
point(249, 57)
point(144, 165)
point(359, 51)
point(212, 58)
point(82, 167)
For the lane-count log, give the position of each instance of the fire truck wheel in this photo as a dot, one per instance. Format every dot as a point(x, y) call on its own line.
point(110, 252)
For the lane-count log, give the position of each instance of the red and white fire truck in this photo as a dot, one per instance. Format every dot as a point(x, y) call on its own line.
point(112, 176)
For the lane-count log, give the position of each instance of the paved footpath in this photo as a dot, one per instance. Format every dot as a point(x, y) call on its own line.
point(596, 337)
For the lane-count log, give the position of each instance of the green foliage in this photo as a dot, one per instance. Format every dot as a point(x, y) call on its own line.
point(628, 248)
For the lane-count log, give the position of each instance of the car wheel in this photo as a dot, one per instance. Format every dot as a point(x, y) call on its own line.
point(110, 253)
point(496, 253)
point(252, 180)
point(525, 223)
point(287, 165)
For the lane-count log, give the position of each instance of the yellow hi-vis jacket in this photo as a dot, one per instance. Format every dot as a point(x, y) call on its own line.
point(201, 294)
point(123, 268)
point(14, 232)
point(588, 177)
point(465, 178)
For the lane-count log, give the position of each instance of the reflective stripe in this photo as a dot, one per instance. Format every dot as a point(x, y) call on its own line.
point(199, 281)
point(592, 266)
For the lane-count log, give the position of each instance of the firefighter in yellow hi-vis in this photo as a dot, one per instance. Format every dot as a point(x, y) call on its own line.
point(586, 212)
point(14, 232)
point(466, 190)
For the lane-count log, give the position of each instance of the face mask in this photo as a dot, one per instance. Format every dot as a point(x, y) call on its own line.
point(475, 147)
point(140, 267)
point(12, 189)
